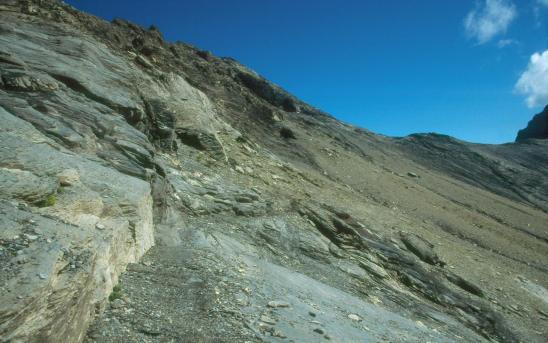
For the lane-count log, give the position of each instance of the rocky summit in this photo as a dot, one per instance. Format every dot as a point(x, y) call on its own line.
point(153, 192)
point(537, 128)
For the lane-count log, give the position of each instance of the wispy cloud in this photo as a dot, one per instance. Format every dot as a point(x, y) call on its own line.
point(533, 83)
point(488, 19)
point(543, 2)
point(503, 43)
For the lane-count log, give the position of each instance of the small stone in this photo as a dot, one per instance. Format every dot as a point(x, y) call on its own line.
point(118, 303)
point(147, 263)
point(319, 330)
point(30, 9)
point(194, 280)
point(144, 61)
point(412, 174)
point(43, 276)
point(99, 226)
point(268, 320)
point(239, 169)
point(21, 259)
point(311, 313)
point(276, 303)
point(420, 324)
point(354, 317)
point(30, 237)
point(279, 334)
point(68, 177)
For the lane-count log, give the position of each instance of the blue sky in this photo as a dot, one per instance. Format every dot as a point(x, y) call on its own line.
point(471, 69)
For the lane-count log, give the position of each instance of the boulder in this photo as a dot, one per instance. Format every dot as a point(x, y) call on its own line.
point(421, 248)
point(68, 177)
point(202, 140)
point(206, 55)
point(287, 133)
point(25, 185)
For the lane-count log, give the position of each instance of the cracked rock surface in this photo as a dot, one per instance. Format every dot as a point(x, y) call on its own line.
point(153, 192)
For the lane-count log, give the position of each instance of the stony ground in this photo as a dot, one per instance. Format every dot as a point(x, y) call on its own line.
point(154, 192)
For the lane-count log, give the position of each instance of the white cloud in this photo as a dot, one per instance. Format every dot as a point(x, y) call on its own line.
point(533, 83)
point(543, 2)
point(489, 19)
point(503, 43)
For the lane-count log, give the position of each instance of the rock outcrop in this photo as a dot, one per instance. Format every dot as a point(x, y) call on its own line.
point(537, 128)
point(151, 192)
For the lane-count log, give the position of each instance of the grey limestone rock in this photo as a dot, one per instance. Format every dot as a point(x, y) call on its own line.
point(253, 209)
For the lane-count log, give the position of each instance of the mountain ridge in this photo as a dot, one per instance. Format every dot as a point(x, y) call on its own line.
point(207, 194)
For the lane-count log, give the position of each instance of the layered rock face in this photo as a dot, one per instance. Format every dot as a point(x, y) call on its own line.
point(153, 192)
point(536, 128)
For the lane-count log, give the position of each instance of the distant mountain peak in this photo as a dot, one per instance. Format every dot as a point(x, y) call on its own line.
point(536, 128)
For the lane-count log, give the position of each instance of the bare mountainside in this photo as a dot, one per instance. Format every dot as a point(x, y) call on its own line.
point(153, 192)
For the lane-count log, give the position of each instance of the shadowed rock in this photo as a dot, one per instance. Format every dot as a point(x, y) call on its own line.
point(422, 248)
point(537, 128)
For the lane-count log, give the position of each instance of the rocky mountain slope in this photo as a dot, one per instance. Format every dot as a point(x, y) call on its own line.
point(153, 192)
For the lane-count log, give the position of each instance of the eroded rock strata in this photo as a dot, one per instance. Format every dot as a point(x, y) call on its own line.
point(153, 192)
